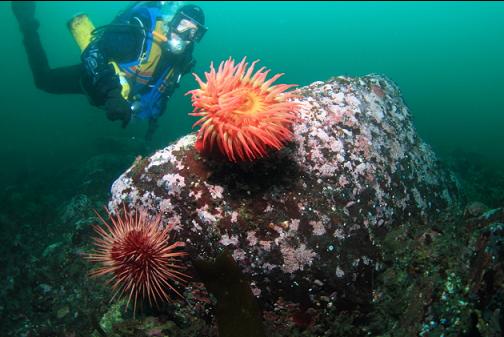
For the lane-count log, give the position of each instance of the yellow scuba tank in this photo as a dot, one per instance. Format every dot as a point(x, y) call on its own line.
point(82, 28)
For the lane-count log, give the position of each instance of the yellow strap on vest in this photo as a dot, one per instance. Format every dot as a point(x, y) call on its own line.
point(149, 63)
point(125, 87)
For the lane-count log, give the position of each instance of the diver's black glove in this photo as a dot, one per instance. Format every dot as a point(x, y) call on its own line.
point(99, 77)
point(118, 108)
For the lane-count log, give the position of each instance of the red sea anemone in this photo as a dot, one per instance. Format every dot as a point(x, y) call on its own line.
point(136, 252)
point(242, 113)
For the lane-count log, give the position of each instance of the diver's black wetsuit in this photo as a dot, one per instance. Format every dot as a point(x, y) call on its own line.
point(121, 41)
point(75, 79)
point(101, 85)
point(64, 80)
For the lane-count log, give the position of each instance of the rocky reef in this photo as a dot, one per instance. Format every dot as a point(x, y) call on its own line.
point(304, 228)
point(372, 244)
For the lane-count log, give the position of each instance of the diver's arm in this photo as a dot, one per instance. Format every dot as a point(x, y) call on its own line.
point(99, 78)
point(102, 84)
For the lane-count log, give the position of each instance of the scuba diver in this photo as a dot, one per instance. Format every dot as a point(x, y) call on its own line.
point(129, 68)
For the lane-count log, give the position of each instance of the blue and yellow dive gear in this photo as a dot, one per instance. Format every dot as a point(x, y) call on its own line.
point(143, 84)
point(82, 29)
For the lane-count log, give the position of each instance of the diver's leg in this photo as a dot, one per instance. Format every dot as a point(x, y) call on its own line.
point(65, 80)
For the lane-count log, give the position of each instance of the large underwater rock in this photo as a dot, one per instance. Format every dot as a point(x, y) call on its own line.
point(303, 225)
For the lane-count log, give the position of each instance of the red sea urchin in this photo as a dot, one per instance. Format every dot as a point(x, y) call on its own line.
point(135, 251)
point(242, 113)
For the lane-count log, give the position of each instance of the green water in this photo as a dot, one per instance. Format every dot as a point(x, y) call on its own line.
point(446, 57)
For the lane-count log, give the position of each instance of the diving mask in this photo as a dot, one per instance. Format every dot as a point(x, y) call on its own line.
point(183, 31)
point(187, 28)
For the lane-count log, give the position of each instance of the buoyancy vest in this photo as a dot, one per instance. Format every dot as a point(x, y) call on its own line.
point(147, 83)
